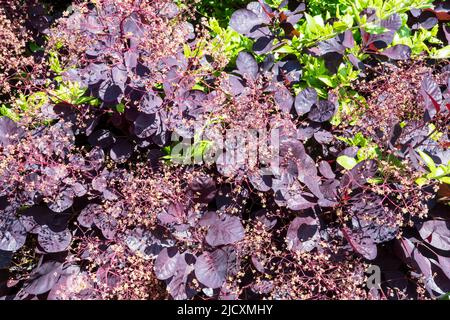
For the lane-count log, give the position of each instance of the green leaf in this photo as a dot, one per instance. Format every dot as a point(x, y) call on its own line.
point(346, 161)
point(373, 28)
point(83, 100)
point(443, 53)
point(34, 47)
point(428, 161)
point(421, 181)
point(200, 148)
point(445, 296)
point(445, 180)
point(7, 112)
point(198, 86)
point(120, 108)
point(437, 173)
point(359, 140)
point(166, 150)
point(327, 80)
point(187, 51)
point(285, 49)
point(54, 62)
point(314, 24)
point(375, 180)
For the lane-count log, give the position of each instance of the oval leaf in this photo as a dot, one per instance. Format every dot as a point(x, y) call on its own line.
point(211, 268)
point(225, 230)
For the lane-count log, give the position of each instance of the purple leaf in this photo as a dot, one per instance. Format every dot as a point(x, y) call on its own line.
point(436, 233)
point(358, 64)
point(262, 10)
point(29, 224)
point(101, 138)
point(63, 201)
point(12, 233)
point(303, 234)
point(133, 25)
point(109, 92)
point(106, 223)
point(211, 268)
point(288, 71)
point(131, 60)
point(283, 98)
point(145, 125)
point(347, 39)
point(305, 132)
point(235, 84)
point(95, 159)
point(247, 65)
point(444, 263)
point(257, 263)
point(169, 10)
point(151, 103)
point(243, 21)
point(325, 170)
point(313, 184)
point(121, 150)
point(100, 183)
point(361, 244)
point(204, 189)
point(431, 94)
point(86, 217)
point(397, 52)
point(166, 263)
point(296, 202)
point(177, 286)
point(92, 24)
point(208, 218)
point(54, 241)
point(305, 100)
point(411, 255)
point(174, 214)
point(426, 20)
point(359, 174)
point(260, 182)
point(323, 137)
point(393, 22)
point(225, 229)
point(447, 33)
point(263, 44)
point(329, 189)
point(374, 42)
point(331, 45)
point(79, 189)
point(43, 278)
point(119, 76)
point(322, 111)
point(9, 132)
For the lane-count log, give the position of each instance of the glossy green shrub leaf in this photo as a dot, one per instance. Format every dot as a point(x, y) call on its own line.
point(346, 161)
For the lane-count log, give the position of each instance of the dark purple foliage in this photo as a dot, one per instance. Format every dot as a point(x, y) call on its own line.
point(12, 233)
point(222, 230)
point(303, 234)
point(43, 278)
point(9, 132)
point(322, 111)
point(211, 268)
point(258, 22)
point(436, 233)
point(247, 65)
point(93, 202)
point(305, 100)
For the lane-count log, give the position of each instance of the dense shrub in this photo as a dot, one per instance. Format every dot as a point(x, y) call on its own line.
point(142, 163)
